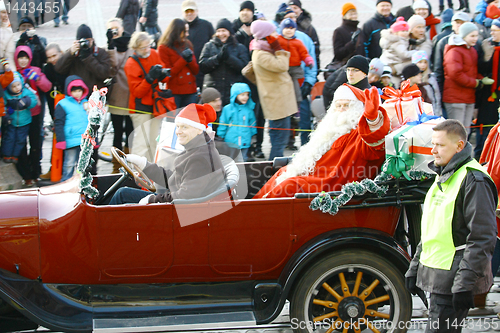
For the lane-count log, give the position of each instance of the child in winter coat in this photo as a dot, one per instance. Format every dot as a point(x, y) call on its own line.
point(239, 112)
point(429, 81)
point(298, 53)
point(6, 77)
point(19, 100)
point(395, 44)
point(71, 122)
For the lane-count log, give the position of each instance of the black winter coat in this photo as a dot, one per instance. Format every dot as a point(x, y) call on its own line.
point(222, 75)
point(304, 24)
point(370, 34)
point(338, 78)
point(435, 41)
point(487, 111)
point(149, 10)
point(240, 34)
point(57, 80)
point(200, 32)
point(128, 12)
point(343, 47)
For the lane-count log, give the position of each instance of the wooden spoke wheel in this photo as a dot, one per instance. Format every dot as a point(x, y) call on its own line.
point(351, 291)
point(139, 176)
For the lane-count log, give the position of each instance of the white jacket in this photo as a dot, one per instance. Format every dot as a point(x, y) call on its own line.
point(395, 51)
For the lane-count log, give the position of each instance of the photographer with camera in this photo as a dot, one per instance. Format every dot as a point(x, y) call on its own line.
point(177, 53)
point(144, 72)
point(29, 37)
point(86, 60)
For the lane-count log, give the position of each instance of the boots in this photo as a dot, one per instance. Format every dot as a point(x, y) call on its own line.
point(441, 9)
point(45, 175)
point(36, 22)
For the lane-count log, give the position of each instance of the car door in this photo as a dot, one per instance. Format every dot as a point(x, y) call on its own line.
point(134, 240)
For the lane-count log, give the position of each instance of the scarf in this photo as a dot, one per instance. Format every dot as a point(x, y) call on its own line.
point(260, 44)
point(122, 42)
point(495, 58)
point(431, 22)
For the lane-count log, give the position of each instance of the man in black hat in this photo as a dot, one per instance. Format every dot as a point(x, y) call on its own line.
point(30, 38)
point(370, 34)
point(85, 59)
point(304, 19)
point(241, 25)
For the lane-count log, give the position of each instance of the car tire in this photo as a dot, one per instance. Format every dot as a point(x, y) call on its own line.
point(332, 293)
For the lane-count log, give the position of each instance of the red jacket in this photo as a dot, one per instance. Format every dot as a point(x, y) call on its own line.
point(297, 49)
point(460, 74)
point(182, 73)
point(141, 92)
point(5, 79)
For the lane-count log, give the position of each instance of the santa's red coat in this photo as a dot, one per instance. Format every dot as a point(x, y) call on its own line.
point(491, 154)
point(354, 156)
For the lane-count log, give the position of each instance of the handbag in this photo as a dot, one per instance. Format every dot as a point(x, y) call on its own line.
point(249, 73)
point(110, 81)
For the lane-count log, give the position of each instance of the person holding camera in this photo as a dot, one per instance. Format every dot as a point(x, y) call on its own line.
point(86, 60)
point(29, 37)
point(144, 72)
point(177, 53)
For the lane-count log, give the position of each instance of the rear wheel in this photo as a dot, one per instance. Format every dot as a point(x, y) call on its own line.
point(351, 291)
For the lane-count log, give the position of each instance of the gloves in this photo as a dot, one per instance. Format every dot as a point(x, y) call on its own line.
point(10, 110)
point(372, 103)
point(463, 300)
point(165, 72)
point(223, 54)
point(154, 73)
point(109, 36)
point(167, 93)
point(140, 161)
point(30, 74)
point(411, 284)
point(36, 40)
point(275, 44)
point(487, 81)
point(83, 54)
point(187, 55)
point(413, 41)
point(61, 145)
point(24, 103)
point(24, 37)
point(145, 200)
point(355, 35)
point(3, 62)
point(305, 90)
point(309, 62)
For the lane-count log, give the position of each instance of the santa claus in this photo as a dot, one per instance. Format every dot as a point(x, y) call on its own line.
point(348, 145)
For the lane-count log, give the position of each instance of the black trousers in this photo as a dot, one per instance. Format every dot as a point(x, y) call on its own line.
point(442, 317)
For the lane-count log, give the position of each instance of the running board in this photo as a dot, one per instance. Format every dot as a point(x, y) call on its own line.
point(228, 320)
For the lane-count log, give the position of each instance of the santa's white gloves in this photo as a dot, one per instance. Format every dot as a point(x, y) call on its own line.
point(145, 200)
point(140, 161)
point(487, 81)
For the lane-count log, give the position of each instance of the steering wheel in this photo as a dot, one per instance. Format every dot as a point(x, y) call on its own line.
point(139, 176)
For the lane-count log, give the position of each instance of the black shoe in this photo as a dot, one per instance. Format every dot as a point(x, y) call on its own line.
point(250, 159)
point(258, 153)
point(466, 10)
point(291, 147)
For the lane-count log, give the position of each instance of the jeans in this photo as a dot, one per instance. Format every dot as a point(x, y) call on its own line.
point(14, 139)
point(21, 13)
point(29, 166)
point(305, 121)
point(120, 128)
point(480, 140)
point(62, 7)
point(70, 160)
point(279, 138)
point(128, 195)
point(244, 153)
point(38, 4)
point(184, 100)
point(462, 112)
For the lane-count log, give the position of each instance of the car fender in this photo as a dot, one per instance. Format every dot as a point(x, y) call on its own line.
point(316, 249)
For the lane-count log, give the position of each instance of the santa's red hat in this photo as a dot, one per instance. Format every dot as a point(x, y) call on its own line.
point(196, 115)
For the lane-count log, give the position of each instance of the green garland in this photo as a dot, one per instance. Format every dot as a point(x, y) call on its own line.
point(97, 103)
point(327, 204)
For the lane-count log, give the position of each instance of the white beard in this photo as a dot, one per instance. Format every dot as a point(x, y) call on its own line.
point(334, 125)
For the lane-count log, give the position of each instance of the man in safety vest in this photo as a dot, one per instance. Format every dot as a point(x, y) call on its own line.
point(453, 259)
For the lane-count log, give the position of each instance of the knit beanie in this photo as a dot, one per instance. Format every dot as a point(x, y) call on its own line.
point(295, 3)
point(262, 29)
point(416, 20)
point(225, 24)
point(83, 32)
point(288, 23)
point(259, 15)
point(359, 62)
point(209, 95)
point(376, 67)
point(379, 1)
point(400, 25)
point(410, 71)
point(247, 5)
point(496, 22)
point(446, 18)
point(17, 78)
point(282, 8)
point(466, 29)
point(347, 7)
point(26, 19)
point(419, 55)
point(2, 6)
point(418, 4)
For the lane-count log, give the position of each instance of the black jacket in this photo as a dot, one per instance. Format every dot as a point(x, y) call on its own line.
point(240, 34)
point(435, 41)
point(338, 78)
point(128, 12)
point(222, 75)
point(37, 45)
point(149, 10)
point(304, 24)
point(200, 32)
point(487, 110)
point(57, 80)
point(343, 47)
point(370, 34)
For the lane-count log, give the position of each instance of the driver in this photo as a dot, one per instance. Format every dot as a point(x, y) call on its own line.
point(197, 171)
point(347, 146)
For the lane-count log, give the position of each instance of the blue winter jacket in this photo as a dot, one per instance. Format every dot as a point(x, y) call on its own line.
point(71, 118)
point(238, 114)
point(21, 117)
point(481, 14)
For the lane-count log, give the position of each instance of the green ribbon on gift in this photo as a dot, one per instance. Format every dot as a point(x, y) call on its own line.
point(398, 164)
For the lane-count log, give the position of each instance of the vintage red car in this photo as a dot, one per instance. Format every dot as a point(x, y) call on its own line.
point(75, 265)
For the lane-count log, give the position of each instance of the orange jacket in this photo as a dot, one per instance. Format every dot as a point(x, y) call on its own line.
point(141, 92)
point(297, 49)
point(5, 79)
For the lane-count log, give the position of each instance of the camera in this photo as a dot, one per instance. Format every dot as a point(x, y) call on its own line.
point(114, 32)
point(84, 44)
point(165, 72)
point(30, 32)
